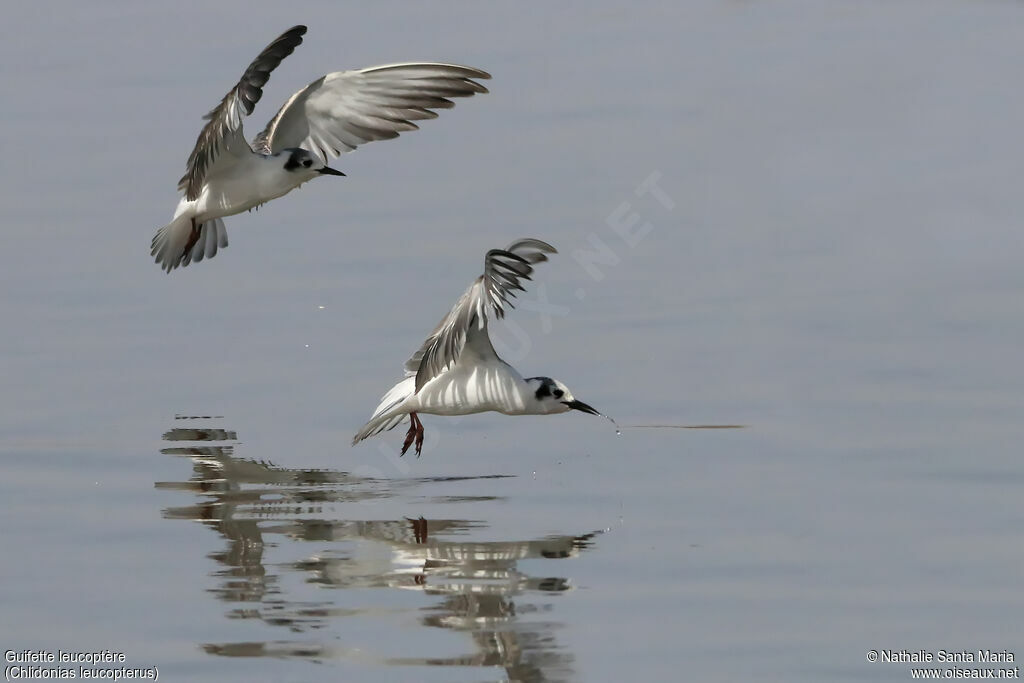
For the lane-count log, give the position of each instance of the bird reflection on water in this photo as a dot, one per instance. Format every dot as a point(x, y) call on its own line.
point(479, 588)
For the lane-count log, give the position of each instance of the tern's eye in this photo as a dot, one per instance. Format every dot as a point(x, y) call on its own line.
point(307, 163)
point(558, 393)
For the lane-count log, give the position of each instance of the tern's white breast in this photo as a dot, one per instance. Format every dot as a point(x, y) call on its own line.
point(248, 182)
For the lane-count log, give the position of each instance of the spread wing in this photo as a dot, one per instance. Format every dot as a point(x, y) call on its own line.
point(504, 271)
point(223, 130)
point(342, 110)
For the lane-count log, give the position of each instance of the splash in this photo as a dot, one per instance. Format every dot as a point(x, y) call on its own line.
point(618, 430)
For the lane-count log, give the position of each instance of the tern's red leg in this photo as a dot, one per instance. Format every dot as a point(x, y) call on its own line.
point(411, 434)
point(419, 436)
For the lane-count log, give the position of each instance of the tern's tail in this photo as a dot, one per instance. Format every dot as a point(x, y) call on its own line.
point(388, 414)
point(180, 243)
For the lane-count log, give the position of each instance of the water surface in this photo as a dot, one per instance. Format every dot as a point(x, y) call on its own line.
point(798, 217)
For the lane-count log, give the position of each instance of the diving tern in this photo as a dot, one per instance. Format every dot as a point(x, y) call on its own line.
point(457, 372)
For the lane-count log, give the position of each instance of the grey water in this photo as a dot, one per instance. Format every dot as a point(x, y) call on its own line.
point(802, 218)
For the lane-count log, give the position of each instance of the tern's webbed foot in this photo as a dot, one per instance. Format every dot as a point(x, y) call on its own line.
point(415, 434)
point(410, 435)
point(419, 439)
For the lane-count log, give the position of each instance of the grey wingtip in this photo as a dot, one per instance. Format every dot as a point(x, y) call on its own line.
point(295, 32)
point(533, 243)
point(477, 73)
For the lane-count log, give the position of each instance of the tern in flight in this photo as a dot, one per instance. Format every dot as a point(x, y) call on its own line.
point(334, 114)
point(457, 372)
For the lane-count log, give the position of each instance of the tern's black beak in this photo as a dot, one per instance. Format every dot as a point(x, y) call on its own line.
point(580, 405)
point(327, 170)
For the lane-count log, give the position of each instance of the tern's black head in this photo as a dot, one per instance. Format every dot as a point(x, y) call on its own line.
point(551, 396)
point(304, 162)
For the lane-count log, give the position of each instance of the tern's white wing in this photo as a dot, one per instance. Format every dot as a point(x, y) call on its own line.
point(342, 110)
point(223, 131)
point(504, 269)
